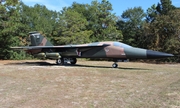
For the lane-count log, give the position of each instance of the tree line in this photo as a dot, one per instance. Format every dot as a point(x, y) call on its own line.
point(158, 28)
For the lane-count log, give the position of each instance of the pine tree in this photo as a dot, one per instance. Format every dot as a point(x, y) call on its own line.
point(9, 27)
point(72, 28)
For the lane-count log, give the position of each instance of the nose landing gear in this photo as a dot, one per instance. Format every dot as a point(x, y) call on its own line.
point(115, 65)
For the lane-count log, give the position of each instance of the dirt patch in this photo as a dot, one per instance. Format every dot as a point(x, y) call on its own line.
point(35, 83)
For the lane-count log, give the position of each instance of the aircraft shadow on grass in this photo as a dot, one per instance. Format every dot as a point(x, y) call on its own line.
point(70, 65)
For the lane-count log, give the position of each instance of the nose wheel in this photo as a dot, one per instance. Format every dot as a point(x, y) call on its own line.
point(115, 65)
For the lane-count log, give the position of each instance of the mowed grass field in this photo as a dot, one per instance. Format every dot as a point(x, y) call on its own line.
point(89, 84)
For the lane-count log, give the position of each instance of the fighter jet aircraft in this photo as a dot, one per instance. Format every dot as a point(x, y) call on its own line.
point(40, 47)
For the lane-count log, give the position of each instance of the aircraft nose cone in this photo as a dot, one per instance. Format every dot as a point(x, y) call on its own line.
point(156, 54)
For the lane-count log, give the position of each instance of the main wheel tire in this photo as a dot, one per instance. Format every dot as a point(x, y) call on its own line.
point(114, 65)
point(60, 61)
point(73, 61)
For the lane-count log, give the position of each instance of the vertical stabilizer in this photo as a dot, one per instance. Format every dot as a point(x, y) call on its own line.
point(37, 39)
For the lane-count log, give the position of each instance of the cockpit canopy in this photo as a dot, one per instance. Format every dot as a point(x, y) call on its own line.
point(119, 44)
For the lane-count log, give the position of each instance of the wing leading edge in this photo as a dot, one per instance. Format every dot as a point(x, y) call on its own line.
point(59, 47)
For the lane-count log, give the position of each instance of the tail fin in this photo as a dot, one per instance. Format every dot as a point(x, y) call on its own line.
point(37, 39)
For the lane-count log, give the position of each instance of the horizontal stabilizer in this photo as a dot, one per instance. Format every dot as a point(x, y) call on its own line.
point(22, 48)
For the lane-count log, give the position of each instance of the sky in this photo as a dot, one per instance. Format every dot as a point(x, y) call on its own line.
point(118, 5)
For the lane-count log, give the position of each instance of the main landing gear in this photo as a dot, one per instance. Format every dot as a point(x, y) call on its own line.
point(60, 61)
point(63, 61)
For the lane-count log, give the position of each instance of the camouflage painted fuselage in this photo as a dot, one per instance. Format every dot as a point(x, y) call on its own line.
point(95, 50)
point(116, 50)
point(42, 48)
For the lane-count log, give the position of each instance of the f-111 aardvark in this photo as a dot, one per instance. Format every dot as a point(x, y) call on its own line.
point(40, 47)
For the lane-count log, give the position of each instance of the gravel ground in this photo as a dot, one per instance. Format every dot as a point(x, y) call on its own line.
point(89, 84)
